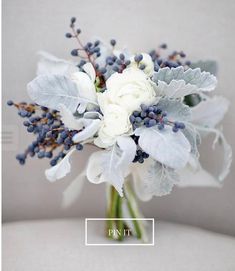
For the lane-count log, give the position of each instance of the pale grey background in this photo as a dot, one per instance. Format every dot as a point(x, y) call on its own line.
point(203, 29)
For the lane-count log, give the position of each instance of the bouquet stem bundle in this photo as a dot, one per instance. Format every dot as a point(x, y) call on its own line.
point(123, 214)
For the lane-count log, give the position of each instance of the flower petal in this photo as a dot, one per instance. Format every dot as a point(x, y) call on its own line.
point(69, 119)
point(85, 86)
point(61, 169)
point(91, 127)
point(89, 69)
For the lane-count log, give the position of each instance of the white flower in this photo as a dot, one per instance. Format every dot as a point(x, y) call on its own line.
point(115, 123)
point(85, 82)
point(146, 61)
point(129, 90)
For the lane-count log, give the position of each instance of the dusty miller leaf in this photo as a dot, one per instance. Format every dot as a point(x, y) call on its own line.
point(165, 146)
point(153, 179)
point(53, 90)
point(112, 165)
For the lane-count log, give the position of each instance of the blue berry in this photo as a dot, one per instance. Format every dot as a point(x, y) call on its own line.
point(23, 113)
point(113, 42)
point(121, 56)
point(64, 134)
point(74, 52)
point(22, 162)
point(21, 156)
point(48, 154)
point(49, 115)
point(145, 155)
point(116, 69)
point(41, 154)
point(61, 155)
point(163, 46)
point(143, 107)
point(152, 122)
point(142, 67)
point(53, 162)
point(44, 108)
point(182, 54)
point(96, 43)
point(138, 119)
point(68, 141)
point(151, 114)
point(165, 120)
point(30, 129)
point(136, 113)
point(138, 58)
point(150, 109)
point(79, 147)
point(175, 129)
point(26, 123)
point(82, 62)
point(68, 35)
point(109, 60)
point(141, 160)
point(132, 118)
point(31, 147)
point(143, 114)
point(146, 120)
point(66, 147)
point(103, 70)
point(73, 20)
point(10, 103)
point(96, 50)
point(119, 62)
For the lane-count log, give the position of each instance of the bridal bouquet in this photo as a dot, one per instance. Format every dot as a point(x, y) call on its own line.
point(147, 114)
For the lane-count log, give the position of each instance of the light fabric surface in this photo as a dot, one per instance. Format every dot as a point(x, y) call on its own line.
point(203, 29)
point(58, 245)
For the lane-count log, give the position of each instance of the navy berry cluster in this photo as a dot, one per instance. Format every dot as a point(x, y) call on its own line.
point(140, 155)
point(53, 140)
point(90, 51)
point(150, 116)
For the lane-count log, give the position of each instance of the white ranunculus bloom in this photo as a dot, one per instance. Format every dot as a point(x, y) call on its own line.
point(147, 61)
point(115, 123)
point(129, 90)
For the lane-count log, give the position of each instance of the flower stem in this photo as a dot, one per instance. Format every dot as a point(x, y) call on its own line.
point(112, 210)
point(130, 203)
point(120, 223)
